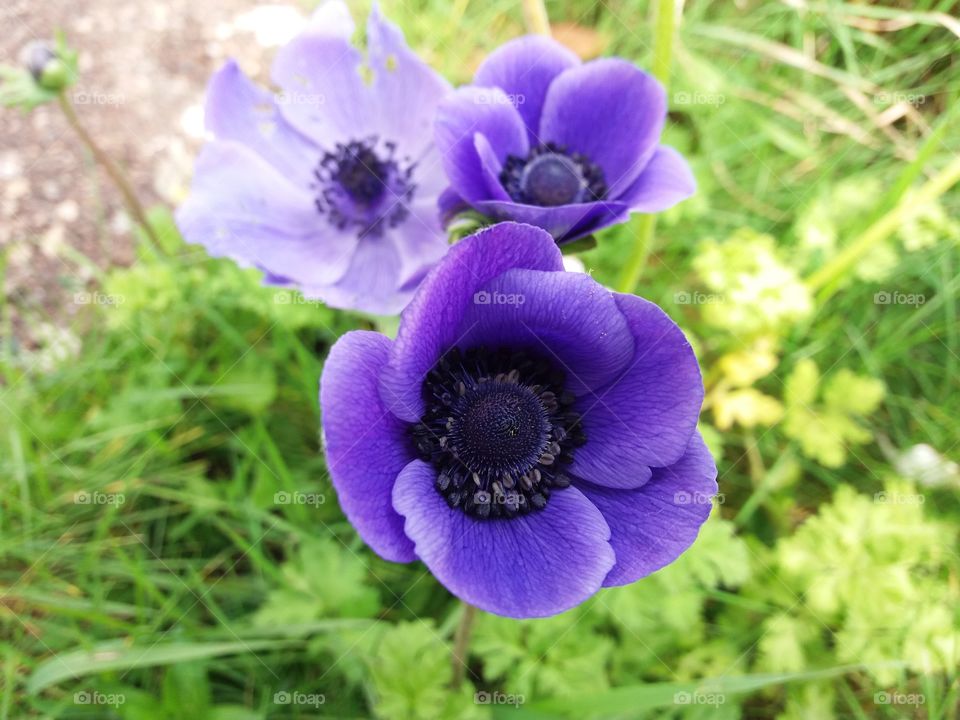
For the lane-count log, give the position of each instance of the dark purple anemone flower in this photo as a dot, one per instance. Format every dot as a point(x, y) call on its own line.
point(331, 184)
point(541, 138)
point(530, 435)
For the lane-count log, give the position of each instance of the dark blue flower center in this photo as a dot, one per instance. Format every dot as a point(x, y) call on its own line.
point(499, 428)
point(551, 176)
point(362, 185)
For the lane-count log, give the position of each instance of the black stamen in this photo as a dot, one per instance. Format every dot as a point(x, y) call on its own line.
point(499, 428)
point(359, 185)
point(551, 176)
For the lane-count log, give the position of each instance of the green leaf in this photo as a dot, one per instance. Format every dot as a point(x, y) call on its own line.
point(113, 655)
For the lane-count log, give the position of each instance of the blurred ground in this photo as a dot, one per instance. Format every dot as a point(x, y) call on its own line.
point(143, 68)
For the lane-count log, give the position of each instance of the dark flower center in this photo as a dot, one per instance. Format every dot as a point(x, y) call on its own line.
point(499, 429)
point(551, 176)
point(364, 186)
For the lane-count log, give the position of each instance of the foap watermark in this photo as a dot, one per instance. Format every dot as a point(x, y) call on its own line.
point(483, 697)
point(698, 697)
point(892, 497)
point(698, 298)
point(483, 297)
point(892, 98)
point(96, 497)
point(300, 98)
point(697, 498)
point(898, 698)
point(282, 497)
point(98, 298)
point(699, 98)
point(895, 297)
point(488, 98)
point(92, 697)
point(291, 298)
point(98, 98)
point(284, 697)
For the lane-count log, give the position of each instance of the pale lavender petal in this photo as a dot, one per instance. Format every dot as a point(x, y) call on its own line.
point(241, 207)
point(665, 181)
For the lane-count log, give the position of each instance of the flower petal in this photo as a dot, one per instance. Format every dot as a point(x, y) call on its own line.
point(651, 527)
point(332, 17)
point(665, 181)
point(536, 565)
point(242, 207)
point(366, 447)
point(430, 324)
point(237, 109)
point(564, 222)
point(490, 167)
point(567, 318)
point(609, 110)
point(324, 95)
point(524, 68)
point(463, 114)
point(407, 89)
point(646, 416)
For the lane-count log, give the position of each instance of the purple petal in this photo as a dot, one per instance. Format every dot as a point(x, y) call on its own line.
point(332, 17)
point(324, 95)
point(665, 181)
point(524, 68)
point(430, 324)
point(652, 526)
point(366, 447)
point(490, 167)
point(236, 109)
point(567, 318)
point(242, 207)
point(532, 566)
point(563, 222)
point(646, 416)
point(465, 113)
point(407, 89)
point(610, 111)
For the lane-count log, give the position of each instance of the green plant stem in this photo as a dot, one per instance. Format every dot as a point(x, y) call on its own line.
point(113, 171)
point(664, 30)
point(536, 18)
point(461, 644)
point(824, 281)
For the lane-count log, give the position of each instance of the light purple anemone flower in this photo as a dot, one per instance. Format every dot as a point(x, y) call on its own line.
point(571, 147)
point(331, 184)
point(529, 435)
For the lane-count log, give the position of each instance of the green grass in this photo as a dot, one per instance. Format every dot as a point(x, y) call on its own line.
point(200, 595)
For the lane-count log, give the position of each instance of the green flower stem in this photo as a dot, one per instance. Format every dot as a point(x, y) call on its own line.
point(113, 171)
point(461, 644)
point(535, 15)
point(824, 281)
point(664, 30)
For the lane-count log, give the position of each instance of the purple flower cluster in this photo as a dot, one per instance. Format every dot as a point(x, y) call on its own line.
point(529, 435)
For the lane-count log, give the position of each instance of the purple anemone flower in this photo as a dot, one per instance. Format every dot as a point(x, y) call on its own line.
point(529, 435)
point(571, 147)
point(331, 184)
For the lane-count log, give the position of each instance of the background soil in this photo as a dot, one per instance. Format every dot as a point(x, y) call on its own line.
point(143, 69)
